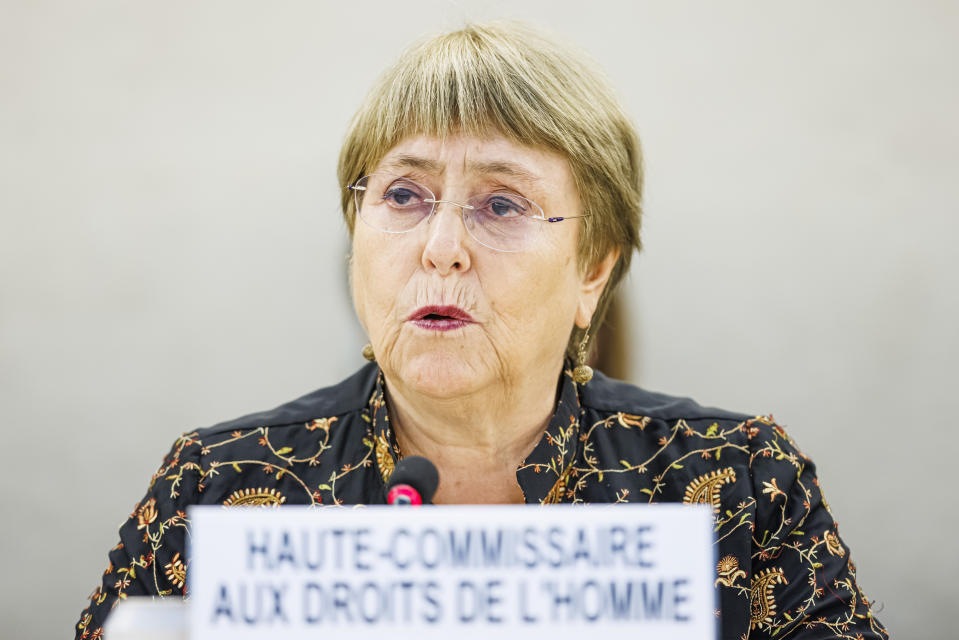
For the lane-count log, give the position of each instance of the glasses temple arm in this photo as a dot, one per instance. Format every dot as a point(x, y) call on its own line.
point(560, 219)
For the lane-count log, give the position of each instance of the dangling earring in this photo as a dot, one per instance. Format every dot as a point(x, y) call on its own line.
point(368, 352)
point(583, 373)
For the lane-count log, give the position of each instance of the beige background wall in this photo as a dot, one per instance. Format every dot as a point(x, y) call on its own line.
point(171, 253)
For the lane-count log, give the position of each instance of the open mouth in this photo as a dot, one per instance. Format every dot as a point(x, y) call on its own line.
point(440, 318)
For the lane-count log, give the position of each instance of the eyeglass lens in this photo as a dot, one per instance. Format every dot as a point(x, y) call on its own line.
point(503, 221)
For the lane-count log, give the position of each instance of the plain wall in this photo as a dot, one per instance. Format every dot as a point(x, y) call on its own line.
point(171, 252)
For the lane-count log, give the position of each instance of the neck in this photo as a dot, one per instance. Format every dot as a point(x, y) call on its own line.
point(476, 441)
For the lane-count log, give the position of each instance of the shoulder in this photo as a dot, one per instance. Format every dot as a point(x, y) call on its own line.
point(757, 437)
point(607, 395)
point(649, 446)
point(347, 396)
point(285, 455)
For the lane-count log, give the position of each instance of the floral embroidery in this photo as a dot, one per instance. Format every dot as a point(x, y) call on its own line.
point(384, 459)
point(320, 423)
point(833, 546)
point(762, 604)
point(705, 488)
point(255, 498)
point(772, 489)
point(146, 513)
point(556, 494)
point(627, 420)
point(176, 571)
point(729, 571)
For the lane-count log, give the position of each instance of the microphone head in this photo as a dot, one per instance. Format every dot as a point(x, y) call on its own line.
point(419, 473)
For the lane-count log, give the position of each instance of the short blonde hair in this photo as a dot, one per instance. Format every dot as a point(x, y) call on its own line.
point(508, 79)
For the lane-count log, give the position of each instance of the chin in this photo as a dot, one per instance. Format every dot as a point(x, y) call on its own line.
point(443, 374)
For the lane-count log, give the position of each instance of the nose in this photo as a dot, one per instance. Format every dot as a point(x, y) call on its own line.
point(445, 249)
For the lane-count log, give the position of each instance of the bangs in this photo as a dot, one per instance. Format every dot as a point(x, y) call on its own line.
point(464, 87)
point(478, 81)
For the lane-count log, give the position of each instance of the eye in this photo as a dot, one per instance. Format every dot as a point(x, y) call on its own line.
point(403, 195)
point(505, 206)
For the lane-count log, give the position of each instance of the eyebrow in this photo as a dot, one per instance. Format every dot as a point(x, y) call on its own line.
point(415, 162)
point(510, 169)
point(494, 167)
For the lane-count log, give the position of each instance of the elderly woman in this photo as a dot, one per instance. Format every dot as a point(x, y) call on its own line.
point(492, 184)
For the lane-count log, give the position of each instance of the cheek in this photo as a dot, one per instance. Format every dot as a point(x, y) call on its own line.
point(376, 275)
point(356, 291)
point(362, 281)
point(537, 297)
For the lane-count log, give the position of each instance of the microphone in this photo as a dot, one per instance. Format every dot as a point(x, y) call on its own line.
point(414, 482)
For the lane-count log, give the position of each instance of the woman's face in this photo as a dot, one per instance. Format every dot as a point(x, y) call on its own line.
point(447, 315)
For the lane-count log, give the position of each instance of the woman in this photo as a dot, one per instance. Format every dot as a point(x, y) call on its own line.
point(497, 184)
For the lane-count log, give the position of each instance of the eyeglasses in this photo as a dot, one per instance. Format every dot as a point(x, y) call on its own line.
point(502, 220)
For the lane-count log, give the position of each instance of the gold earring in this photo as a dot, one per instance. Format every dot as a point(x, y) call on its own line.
point(368, 352)
point(583, 373)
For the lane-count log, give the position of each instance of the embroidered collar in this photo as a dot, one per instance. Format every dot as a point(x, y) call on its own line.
point(545, 473)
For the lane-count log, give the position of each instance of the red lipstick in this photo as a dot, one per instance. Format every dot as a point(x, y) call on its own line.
point(440, 318)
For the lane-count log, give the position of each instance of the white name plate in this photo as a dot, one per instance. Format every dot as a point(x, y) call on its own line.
point(452, 572)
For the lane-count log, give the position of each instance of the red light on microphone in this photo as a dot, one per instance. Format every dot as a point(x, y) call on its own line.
point(404, 495)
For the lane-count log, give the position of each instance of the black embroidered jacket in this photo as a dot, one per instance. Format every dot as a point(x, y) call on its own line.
point(783, 571)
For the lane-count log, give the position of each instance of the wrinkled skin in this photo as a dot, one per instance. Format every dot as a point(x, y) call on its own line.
point(524, 304)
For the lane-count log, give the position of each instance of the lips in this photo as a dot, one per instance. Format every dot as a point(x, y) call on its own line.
point(440, 318)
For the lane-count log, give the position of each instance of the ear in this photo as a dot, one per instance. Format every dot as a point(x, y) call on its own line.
point(594, 283)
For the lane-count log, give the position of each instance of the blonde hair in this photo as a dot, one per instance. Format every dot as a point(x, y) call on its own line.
point(508, 79)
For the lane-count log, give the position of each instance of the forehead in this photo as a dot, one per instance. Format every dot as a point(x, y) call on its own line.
point(468, 157)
